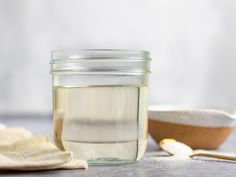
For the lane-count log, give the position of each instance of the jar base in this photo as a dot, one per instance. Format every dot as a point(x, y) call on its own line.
point(108, 162)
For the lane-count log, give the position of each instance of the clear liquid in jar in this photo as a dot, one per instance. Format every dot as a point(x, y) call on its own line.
point(102, 124)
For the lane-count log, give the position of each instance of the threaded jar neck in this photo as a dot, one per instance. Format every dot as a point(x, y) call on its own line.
point(100, 61)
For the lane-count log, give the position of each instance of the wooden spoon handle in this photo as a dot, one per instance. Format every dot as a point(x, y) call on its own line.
point(218, 155)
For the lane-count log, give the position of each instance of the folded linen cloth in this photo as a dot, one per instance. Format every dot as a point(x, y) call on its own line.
point(20, 150)
point(10, 135)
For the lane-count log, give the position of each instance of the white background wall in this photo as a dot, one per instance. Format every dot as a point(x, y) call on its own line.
point(193, 46)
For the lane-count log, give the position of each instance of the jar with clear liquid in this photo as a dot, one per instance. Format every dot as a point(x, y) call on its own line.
point(100, 104)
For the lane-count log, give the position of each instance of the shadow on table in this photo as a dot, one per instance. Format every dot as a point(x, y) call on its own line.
point(51, 173)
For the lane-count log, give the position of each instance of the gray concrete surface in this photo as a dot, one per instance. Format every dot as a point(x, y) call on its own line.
point(154, 163)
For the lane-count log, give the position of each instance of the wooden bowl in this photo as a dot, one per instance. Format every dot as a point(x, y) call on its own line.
point(198, 128)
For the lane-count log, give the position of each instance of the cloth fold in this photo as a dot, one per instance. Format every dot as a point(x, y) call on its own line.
point(20, 150)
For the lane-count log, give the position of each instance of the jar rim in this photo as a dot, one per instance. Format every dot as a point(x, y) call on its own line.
point(80, 54)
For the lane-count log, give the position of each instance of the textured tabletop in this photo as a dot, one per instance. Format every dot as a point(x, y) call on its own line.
point(154, 162)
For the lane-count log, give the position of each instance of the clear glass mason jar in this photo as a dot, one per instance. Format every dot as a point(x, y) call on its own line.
point(100, 104)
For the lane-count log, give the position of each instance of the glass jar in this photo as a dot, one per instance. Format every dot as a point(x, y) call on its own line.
point(100, 104)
